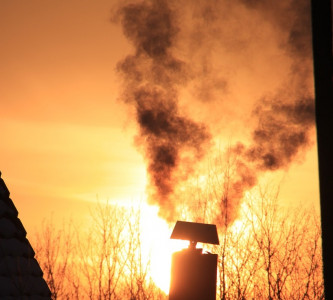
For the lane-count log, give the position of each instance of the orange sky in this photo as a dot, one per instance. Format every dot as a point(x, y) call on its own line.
point(65, 138)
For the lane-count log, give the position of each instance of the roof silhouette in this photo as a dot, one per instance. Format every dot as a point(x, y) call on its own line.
point(20, 274)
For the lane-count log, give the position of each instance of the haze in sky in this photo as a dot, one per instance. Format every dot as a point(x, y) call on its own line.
point(74, 128)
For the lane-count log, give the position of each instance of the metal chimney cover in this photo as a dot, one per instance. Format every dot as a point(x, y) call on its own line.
point(196, 232)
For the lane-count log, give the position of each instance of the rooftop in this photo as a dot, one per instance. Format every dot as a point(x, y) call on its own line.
point(20, 273)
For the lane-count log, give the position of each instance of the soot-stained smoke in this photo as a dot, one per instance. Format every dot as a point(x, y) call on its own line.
point(286, 119)
point(283, 131)
point(282, 119)
point(152, 76)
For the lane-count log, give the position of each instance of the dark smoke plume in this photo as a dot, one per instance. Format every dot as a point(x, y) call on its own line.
point(282, 132)
point(285, 119)
point(282, 119)
point(152, 76)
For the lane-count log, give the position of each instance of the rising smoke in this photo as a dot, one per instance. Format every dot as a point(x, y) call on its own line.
point(285, 117)
point(177, 45)
point(152, 75)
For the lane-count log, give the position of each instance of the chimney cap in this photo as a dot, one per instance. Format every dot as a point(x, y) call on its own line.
point(195, 232)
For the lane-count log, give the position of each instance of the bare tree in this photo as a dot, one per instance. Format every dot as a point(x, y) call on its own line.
point(289, 245)
point(53, 249)
point(101, 252)
point(266, 251)
point(139, 284)
point(105, 261)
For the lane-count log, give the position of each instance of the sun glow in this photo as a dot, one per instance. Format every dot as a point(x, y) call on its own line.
point(157, 245)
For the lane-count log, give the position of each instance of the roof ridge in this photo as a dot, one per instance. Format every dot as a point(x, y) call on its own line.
point(20, 273)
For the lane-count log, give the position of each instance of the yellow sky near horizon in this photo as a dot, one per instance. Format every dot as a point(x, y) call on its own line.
point(66, 139)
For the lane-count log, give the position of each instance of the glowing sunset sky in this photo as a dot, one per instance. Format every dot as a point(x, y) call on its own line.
point(67, 139)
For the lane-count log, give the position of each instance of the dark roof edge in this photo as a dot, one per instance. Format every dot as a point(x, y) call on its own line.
point(3, 185)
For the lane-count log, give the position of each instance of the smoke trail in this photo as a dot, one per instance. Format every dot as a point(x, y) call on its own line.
point(283, 118)
point(152, 76)
point(282, 132)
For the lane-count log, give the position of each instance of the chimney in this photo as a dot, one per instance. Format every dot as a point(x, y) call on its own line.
point(193, 273)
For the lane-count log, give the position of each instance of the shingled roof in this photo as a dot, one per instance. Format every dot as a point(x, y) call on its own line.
point(20, 274)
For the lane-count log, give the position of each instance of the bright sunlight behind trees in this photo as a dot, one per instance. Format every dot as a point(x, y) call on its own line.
point(269, 251)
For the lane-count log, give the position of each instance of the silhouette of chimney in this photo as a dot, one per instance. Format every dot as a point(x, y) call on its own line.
point(193, 273)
